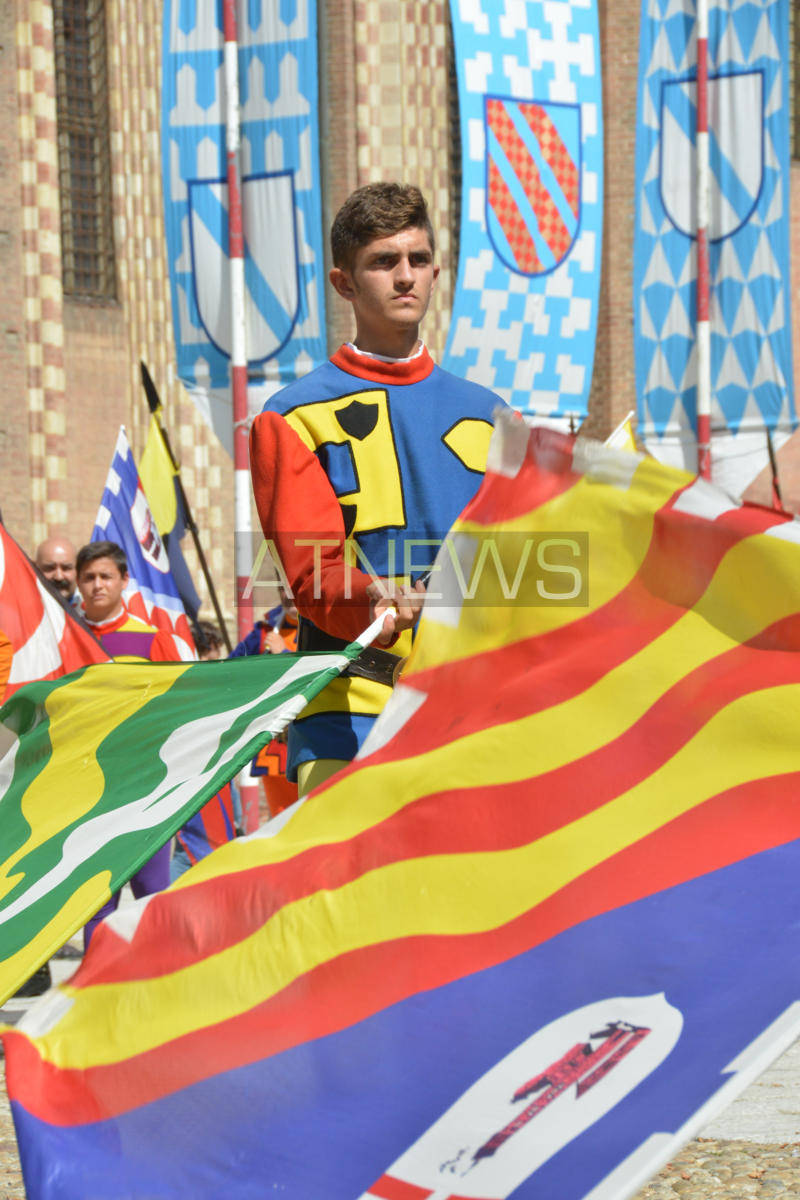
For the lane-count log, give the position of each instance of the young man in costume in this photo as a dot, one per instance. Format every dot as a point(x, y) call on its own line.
point(378, 447)
point(102, 571)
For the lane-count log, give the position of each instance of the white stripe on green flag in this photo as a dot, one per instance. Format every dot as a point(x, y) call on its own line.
point(107, 763)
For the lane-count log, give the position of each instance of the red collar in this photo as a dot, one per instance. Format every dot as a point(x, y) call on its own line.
point(101, 628)
point(410, 370)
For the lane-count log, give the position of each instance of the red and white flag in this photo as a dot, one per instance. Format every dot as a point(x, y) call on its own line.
point(46, 640)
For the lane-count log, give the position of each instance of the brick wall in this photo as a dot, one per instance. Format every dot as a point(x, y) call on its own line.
point(788, 457)
point(41, 311)
point(337, 61)
point(613, 391)
point(81, 377)
point(95, 368)
point(385, 71)
point(15, 469)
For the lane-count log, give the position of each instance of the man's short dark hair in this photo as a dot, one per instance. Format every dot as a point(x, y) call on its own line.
point(94, 550)
point(375, 211)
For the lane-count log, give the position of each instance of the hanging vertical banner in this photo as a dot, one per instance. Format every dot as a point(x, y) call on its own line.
point(525, 309)
point(751, 350)
point(285, 318)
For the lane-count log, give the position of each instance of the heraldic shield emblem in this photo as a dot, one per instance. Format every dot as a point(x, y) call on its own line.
point(542, 1095)
point(533, 181)
point(735, 151)
point(271, 264)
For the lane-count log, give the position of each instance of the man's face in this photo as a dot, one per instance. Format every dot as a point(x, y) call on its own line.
point(101, 584)
point(55, 558)
point(389, 286)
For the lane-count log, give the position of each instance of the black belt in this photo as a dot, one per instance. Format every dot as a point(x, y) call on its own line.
point(372, 663)
point(375, 664)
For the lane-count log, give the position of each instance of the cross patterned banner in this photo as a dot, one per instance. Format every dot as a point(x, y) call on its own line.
point(751, 352)
point(525, 313)
point(285, 317)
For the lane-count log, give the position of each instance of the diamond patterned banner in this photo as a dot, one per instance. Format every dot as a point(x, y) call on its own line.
point(751, 352)
point(525, 310)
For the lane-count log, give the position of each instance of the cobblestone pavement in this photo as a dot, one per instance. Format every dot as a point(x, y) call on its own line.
point(11, 1187)
point(707, 1169)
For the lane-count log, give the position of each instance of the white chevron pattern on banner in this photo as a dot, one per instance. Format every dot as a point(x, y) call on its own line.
point(751, 358)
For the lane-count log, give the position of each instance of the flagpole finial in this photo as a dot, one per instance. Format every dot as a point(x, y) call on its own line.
point(153, 402)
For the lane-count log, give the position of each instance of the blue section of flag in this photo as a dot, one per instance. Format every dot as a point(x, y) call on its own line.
point(532, 343)
point(124, 517)
point(328, 1118)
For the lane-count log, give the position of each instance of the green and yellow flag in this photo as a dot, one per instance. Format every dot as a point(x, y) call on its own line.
point(102, 766)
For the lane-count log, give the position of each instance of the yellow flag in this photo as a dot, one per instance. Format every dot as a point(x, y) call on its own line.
point(157, 475)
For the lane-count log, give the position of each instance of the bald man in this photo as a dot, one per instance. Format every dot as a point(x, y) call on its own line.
point(55, 558)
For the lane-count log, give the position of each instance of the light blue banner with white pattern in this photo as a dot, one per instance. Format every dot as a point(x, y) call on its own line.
point(525, 308)
point(751, 350)
point(279, 159)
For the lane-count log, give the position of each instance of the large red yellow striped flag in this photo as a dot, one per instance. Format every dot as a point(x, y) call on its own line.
point(106, 764)
point(525, 946)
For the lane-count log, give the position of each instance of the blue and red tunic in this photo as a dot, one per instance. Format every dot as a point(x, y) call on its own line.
point(383, 456)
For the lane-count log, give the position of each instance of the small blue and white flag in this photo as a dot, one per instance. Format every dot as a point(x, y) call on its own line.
point(124, 517)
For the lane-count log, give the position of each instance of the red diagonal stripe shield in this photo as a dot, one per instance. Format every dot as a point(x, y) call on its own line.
point(533, 184)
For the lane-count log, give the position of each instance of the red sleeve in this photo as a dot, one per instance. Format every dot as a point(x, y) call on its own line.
point(163, 648)
point(296, 503)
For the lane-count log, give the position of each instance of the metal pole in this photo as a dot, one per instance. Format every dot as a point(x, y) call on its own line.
point(243, 552)
point(241, 463)
point(777, 497)
point(154, 404)
point(703, 335)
